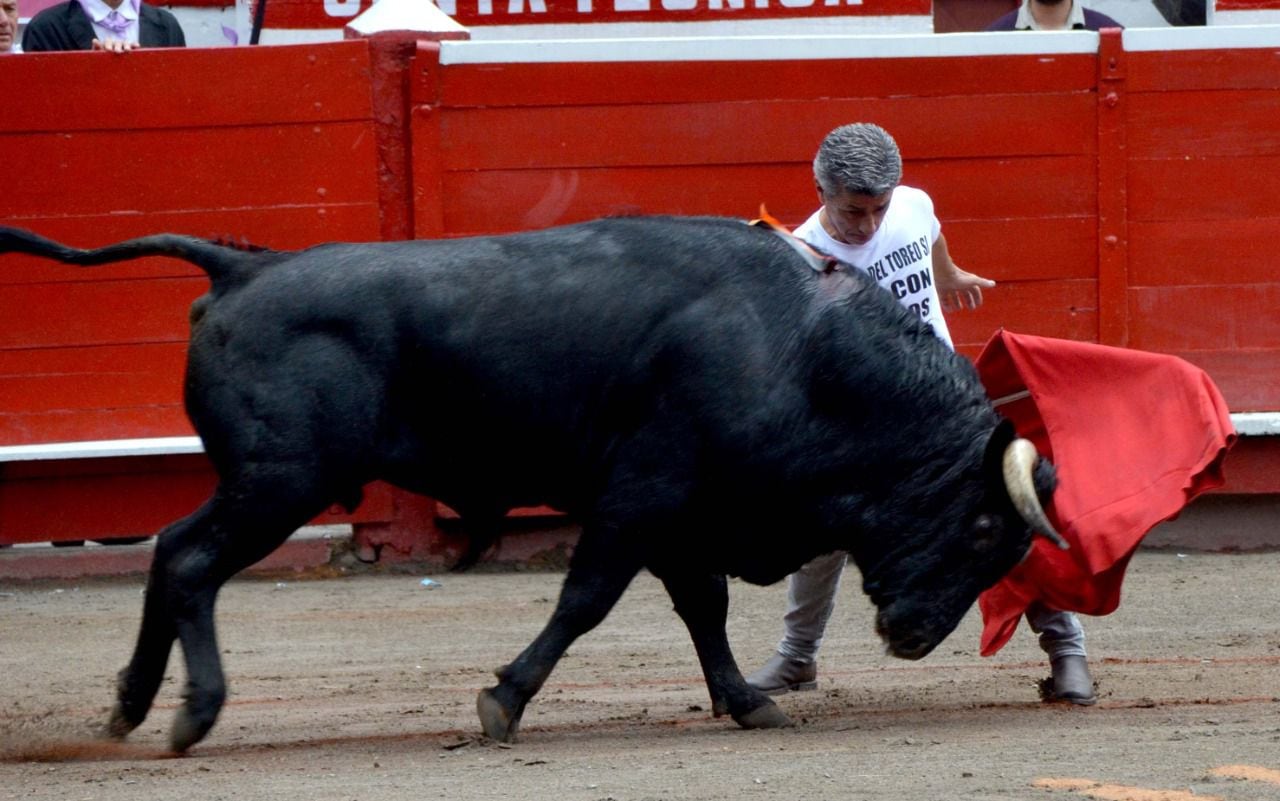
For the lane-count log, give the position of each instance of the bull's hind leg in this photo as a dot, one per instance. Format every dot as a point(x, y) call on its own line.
point(139, 682)
point(599, 572)
point(192, 561)
point(702, 601)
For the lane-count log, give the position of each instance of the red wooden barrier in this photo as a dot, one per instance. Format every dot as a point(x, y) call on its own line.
point(1119, 192)
point(272, 145)
point(1204, 201)
point(1014, 172)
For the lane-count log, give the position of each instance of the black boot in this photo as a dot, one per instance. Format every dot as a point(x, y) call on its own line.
point(1071, 681)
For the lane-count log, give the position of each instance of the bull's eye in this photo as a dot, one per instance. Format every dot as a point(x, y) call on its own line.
point(986, 533)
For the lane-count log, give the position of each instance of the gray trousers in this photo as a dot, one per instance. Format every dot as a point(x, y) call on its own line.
point(811, 596)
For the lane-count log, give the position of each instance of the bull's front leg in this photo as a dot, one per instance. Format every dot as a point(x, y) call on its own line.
point(702, 601)
point(599, 572)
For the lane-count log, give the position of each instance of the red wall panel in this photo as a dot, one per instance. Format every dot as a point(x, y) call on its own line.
point(285, 158)
point(624, 83)
point(1203, 204)
point(1033, 161)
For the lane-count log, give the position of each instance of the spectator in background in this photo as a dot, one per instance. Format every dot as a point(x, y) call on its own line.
point(1053, 15)
point(9, 27)
point(1182, 12)
point(113, 25)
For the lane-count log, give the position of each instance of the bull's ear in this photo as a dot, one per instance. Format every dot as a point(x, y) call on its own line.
point(993, 458)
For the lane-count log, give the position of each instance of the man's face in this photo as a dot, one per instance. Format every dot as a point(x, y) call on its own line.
point(854, 219)
point(8, 24)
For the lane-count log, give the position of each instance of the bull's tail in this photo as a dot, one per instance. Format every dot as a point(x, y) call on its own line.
point(222, 263)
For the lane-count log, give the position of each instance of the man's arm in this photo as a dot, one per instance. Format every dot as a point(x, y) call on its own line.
point(958, 288)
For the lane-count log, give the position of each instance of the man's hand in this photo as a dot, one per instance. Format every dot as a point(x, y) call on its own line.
point(960, 289)
point(114, 45)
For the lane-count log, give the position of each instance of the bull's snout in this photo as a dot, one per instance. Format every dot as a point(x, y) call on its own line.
point(904, 641)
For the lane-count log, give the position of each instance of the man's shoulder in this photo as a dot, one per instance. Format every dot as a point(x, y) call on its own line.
point(911, 196)
point(51, 14)
point(55, 28)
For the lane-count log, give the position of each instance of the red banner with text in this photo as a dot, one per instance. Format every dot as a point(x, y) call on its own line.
point(337, 13)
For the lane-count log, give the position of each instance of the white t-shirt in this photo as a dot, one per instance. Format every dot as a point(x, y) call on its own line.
point(898, 256)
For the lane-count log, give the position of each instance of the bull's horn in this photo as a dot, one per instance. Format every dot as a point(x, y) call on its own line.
point(1019, 463)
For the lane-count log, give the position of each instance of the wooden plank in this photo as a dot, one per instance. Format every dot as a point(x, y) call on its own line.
point(1200, 252)
point(280, 227)
point(496, 201)
point(1009, 188)
point(1190, 70)
point(134, 496)
point(768, 131)
point(1112, 238)
point(218, 88)
point(481, 85)
point(1253, 466)
point(426, 142)
point(68, 379)
point(1249, 379)
point(1026, 249)
point(1178, 318)
point(1174, 125)
point(1062, 309)
point(130, 422)
point(223, 168)
point(99, 312)
point(1224, 189)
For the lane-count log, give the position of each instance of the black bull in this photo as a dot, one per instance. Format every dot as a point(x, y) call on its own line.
point(653, 377)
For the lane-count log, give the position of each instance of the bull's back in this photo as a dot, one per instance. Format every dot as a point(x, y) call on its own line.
point(570, 312)
point(523, 358)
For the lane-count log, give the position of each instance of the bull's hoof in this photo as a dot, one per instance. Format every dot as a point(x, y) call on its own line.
point(768, 716)
point(497, 720)
point(186, 731)
point(119, 725)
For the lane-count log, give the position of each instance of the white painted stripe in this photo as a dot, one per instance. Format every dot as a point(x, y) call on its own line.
point(1257, 424)
point(1260, 17)
point(1202, 38)
point(99, 449)
point(766, 48)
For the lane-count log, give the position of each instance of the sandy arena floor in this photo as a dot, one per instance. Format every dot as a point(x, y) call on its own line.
point(363, 687)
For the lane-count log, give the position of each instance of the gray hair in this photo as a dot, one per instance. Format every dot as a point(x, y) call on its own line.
point(860, 159)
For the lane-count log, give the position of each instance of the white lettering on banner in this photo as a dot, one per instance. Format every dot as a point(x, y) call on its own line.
point(342, 8)
point(515, 8)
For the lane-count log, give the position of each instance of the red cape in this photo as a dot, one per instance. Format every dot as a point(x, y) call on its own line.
point(1135, 436)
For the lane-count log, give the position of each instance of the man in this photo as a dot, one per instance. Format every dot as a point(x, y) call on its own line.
point(110, 25)
point(1053, 15)
point(9, 27)
point(889, 231)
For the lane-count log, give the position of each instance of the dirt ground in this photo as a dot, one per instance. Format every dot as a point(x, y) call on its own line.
point(363, 687)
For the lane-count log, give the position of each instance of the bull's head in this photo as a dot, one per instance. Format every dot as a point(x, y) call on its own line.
point(969, 532)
